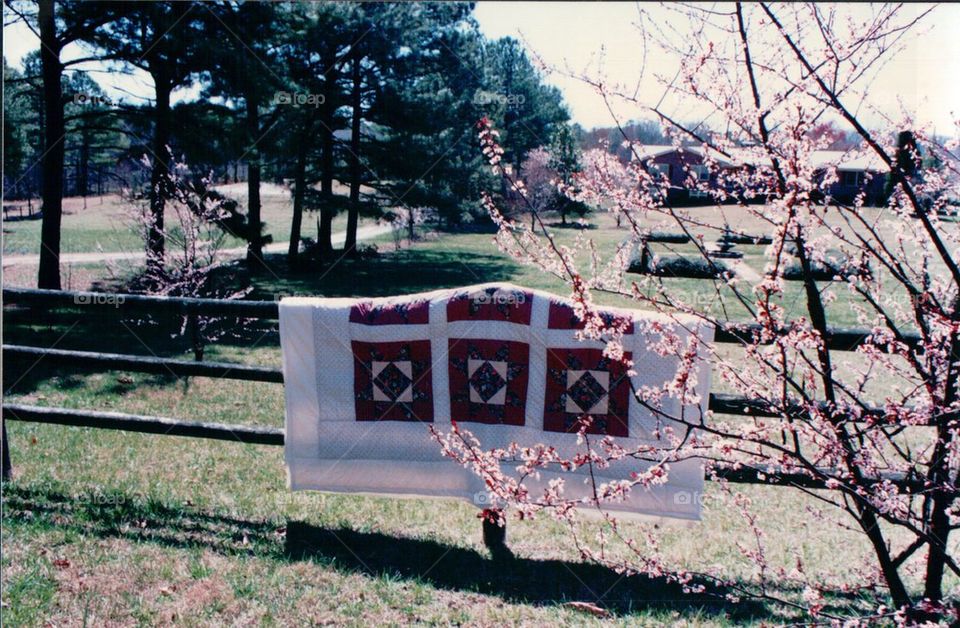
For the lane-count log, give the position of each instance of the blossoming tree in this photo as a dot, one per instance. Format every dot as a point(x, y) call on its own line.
point(195, 266)
point(867, 426)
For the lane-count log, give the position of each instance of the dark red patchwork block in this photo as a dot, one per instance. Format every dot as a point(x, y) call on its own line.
point(563, 316)
point(584, 382)
point(392, 381)
point(491, 304)
point(488, 380)
point(399, 313)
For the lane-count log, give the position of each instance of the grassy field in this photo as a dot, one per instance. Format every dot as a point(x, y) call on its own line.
point(117, 528)
point(104, 223)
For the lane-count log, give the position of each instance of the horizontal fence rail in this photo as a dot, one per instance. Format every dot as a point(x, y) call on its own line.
point(139, 303)
point(256, 435)
point(145, 364)
point(838, 339)
point(249, 434)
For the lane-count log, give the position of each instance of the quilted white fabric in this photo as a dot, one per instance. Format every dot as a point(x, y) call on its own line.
point(364, 378)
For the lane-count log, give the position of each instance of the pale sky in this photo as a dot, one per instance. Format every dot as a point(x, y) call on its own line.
point(924, 78)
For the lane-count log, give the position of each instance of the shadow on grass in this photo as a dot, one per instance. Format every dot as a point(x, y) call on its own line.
point(573, 224)
point(389, 274)
point(514, 579)
point(82, 331)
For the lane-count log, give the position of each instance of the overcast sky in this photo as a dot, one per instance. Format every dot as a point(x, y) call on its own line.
point(924, 77)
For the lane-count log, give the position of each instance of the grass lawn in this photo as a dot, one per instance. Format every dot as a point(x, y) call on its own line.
point(103, 223)
point(108, 527)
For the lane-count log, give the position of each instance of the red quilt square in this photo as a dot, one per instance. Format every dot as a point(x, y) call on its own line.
point(562, 316)
point(491, 304)
point(488, 380)
point(392, 381)
point(398, 313)
point(584, 382)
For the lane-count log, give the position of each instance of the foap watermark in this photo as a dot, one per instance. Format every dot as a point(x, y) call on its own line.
point(91, 100)
point(484, 499)
point(299, 499)
point(483, 97)
point(298, 99)
point(689, 498)
point(96, 298)
point(697, 298)
point(103, 498)
point(498, 297)
point(279, 296)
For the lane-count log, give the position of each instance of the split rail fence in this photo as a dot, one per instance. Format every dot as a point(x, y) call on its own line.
point(129, 305)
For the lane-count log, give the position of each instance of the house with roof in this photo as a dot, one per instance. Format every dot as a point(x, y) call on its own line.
point(678, 164)
point(855, 172)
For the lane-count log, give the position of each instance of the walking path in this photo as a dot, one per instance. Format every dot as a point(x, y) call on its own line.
point(338, 239)
point(743, 269)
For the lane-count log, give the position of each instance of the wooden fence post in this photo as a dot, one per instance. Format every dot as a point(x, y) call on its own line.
point(495, 532)
point(7, 467)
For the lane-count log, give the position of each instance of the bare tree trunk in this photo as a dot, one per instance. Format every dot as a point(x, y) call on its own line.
point(325, 233)
point(48, 275)
point(299, 192)
point(161, 169)
point(353, 213)
point(941, 499)
point(866, 517)
point(255, 243)
point(937, 556)
point(326, 158)
point(83, 169)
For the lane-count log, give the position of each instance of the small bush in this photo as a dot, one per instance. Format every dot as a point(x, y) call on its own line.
point(836, 264)
point(681, 266)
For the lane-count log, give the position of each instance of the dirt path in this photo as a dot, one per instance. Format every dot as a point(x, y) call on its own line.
point(338, 238)
point(744, 270)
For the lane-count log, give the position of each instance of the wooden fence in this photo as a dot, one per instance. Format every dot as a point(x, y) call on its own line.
point(50, 300)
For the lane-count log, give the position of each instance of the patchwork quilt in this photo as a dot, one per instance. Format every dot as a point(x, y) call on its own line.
point(365, 378)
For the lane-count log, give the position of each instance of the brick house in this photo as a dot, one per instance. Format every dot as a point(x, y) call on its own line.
point(678, 165)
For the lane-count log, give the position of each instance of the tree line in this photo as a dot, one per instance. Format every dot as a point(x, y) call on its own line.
point(382, 97)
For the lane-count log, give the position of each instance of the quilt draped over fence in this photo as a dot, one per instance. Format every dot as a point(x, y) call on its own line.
point(365, 378)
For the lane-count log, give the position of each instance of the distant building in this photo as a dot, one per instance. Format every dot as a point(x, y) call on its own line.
point(855, 174)
point(686, 168)
point(678, 165)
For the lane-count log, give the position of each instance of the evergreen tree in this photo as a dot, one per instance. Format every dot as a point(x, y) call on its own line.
point(565, 160)
point(167, 40)
point(516, 100)
point(57, 25)
point(246, 72)
point(21, 129)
